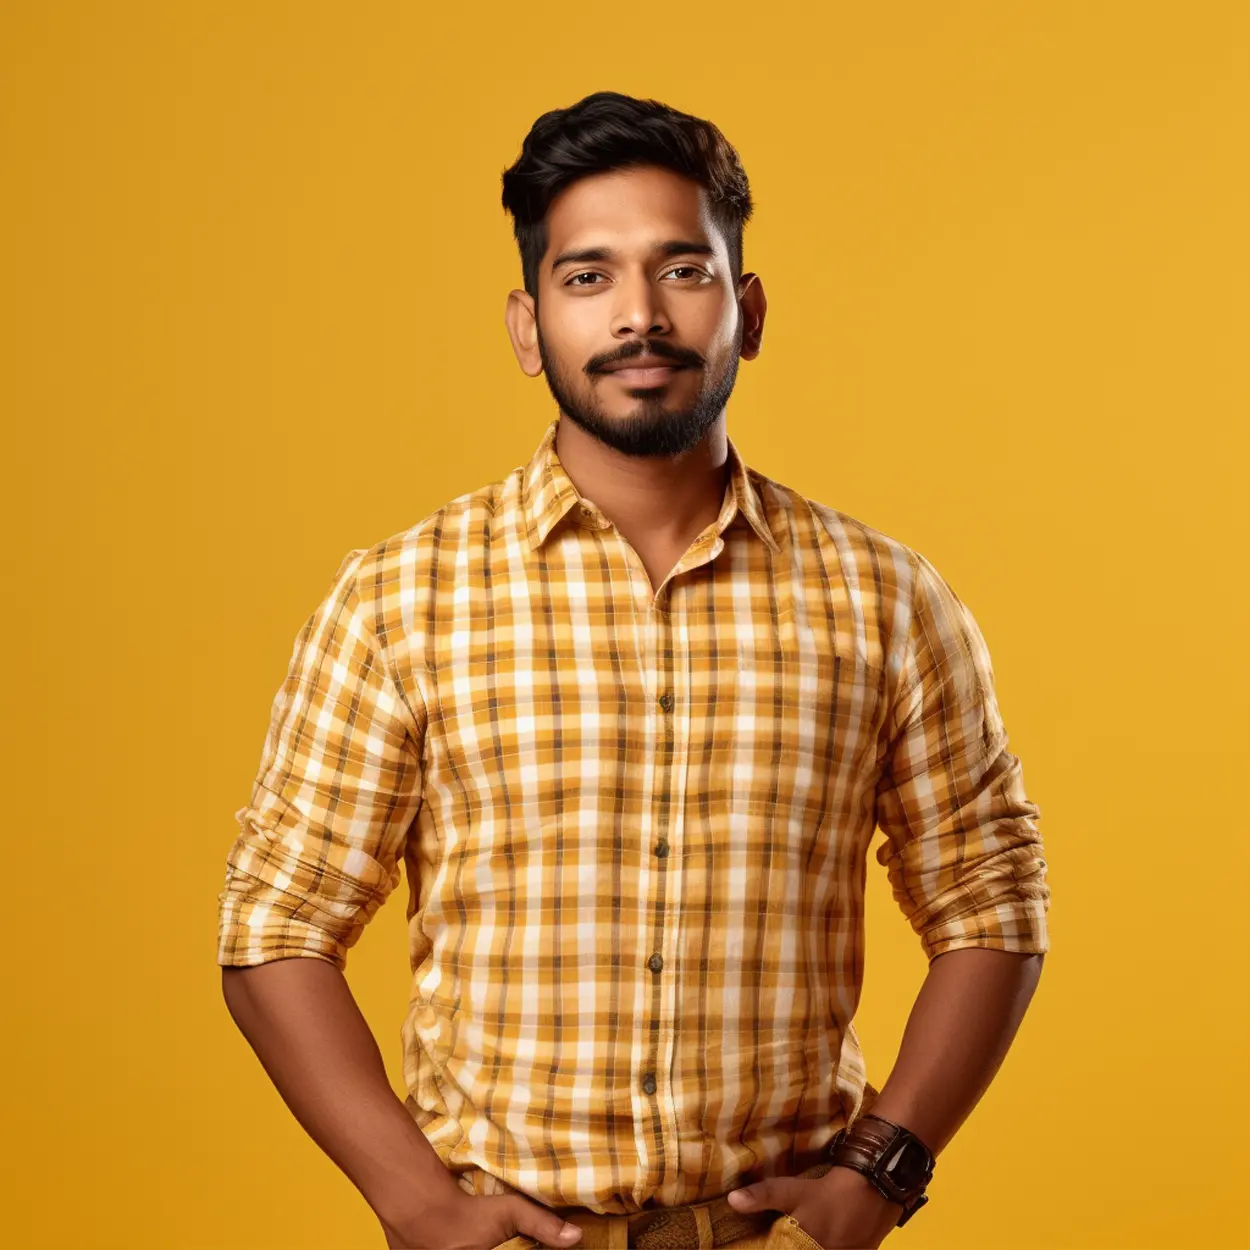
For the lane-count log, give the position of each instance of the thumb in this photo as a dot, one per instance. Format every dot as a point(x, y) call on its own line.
point(777, 1193)
point(544, 1225)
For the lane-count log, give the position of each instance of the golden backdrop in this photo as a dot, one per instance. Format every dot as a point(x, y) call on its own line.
point(254, 270)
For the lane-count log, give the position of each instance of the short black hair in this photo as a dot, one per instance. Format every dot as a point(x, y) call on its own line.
point(607, 131)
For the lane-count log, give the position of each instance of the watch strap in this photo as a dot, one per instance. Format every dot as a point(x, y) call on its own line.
point(870, 1145)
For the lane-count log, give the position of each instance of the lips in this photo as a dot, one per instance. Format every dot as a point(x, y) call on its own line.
point(644, 370)
point(641, 362)
point(644, 377)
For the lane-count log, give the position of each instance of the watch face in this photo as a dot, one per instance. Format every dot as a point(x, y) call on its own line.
point(908, 1165)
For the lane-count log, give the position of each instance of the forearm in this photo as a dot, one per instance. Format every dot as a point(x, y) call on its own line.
point(300, 1018)
point(960, 1028)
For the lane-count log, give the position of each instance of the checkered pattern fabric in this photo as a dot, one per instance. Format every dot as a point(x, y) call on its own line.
point(635, 822)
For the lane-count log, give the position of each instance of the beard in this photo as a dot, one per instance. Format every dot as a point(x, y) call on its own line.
point(650, 429)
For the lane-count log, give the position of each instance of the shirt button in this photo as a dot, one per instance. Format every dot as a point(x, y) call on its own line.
point(648, 1084)
point(655, 963)
point(666, 701)
point(661, 849)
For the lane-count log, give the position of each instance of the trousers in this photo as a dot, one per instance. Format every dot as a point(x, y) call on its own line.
point(611, 1232)
point(700, 1226)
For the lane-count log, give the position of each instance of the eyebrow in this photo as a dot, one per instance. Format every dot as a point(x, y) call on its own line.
point(670, 247)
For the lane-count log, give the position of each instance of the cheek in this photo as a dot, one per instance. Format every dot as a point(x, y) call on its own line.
point(582, 320)
point(708, 324)
point(560, 358)
point(574, 341)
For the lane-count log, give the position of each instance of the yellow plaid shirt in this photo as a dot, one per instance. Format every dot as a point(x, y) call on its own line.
point(635, 824)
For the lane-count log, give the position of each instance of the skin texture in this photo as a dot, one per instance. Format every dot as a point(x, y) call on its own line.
point(638, 295)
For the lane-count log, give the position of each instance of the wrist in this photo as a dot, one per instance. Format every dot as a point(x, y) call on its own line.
point(415, 1186)
point(851, 1185)
point(399, 1172)
point(861, 1212)
point(889, 1157)
point(400, 1206)
point(408, 1222)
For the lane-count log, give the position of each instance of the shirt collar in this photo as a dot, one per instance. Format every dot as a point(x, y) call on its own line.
point(548, 494)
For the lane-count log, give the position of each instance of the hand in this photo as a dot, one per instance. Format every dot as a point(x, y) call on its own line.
point(841, 1210)
point(463, 1221)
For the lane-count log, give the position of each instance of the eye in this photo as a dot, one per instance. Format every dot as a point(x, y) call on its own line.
point(573, 281)
point(680, 270)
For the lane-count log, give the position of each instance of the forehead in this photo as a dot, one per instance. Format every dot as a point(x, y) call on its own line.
point(630, 208)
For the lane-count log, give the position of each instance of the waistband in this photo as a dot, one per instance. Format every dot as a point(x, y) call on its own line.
point(699, 1226)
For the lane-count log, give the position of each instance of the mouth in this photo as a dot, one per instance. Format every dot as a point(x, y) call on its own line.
point(647, 375)
point(644, 370)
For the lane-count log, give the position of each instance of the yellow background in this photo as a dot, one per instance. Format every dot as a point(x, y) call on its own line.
point(254, 269)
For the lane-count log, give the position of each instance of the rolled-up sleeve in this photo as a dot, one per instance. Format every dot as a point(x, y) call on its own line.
point(319, 844)
point(962, 849)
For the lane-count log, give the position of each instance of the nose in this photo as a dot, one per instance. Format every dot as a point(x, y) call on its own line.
point(639, 308)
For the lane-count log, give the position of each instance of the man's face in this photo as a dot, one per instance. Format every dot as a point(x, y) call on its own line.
point(638, 324)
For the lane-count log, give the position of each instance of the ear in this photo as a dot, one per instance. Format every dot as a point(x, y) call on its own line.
point(522, 322)
point(753, 305)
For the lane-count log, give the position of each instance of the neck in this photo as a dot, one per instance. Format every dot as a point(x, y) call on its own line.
point(657, 499)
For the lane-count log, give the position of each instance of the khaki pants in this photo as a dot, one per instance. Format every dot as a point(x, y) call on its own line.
point(611, 1232)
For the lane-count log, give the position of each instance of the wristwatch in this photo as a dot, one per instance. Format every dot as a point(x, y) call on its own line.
point(893, 1158)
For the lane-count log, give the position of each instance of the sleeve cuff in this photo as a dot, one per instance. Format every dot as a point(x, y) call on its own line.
point(1018, 925)
point(998, 901)
point(258, 924)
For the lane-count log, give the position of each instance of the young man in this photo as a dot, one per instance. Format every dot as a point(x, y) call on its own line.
point(630, 715)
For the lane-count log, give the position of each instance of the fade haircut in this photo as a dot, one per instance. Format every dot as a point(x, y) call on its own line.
point(606, 131)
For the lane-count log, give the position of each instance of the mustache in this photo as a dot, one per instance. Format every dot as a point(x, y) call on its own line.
point(640, 347)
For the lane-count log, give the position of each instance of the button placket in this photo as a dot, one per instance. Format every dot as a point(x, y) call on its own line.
point(666, 807)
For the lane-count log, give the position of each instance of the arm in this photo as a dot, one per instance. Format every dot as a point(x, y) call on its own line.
point(957, 1036)
point(964, 858)
point(316, 855)
point(300, 1018)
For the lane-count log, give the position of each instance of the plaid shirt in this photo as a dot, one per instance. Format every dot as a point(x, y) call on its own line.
point(635, 824)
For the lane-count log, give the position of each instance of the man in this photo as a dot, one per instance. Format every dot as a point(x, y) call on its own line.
point(630, 715)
